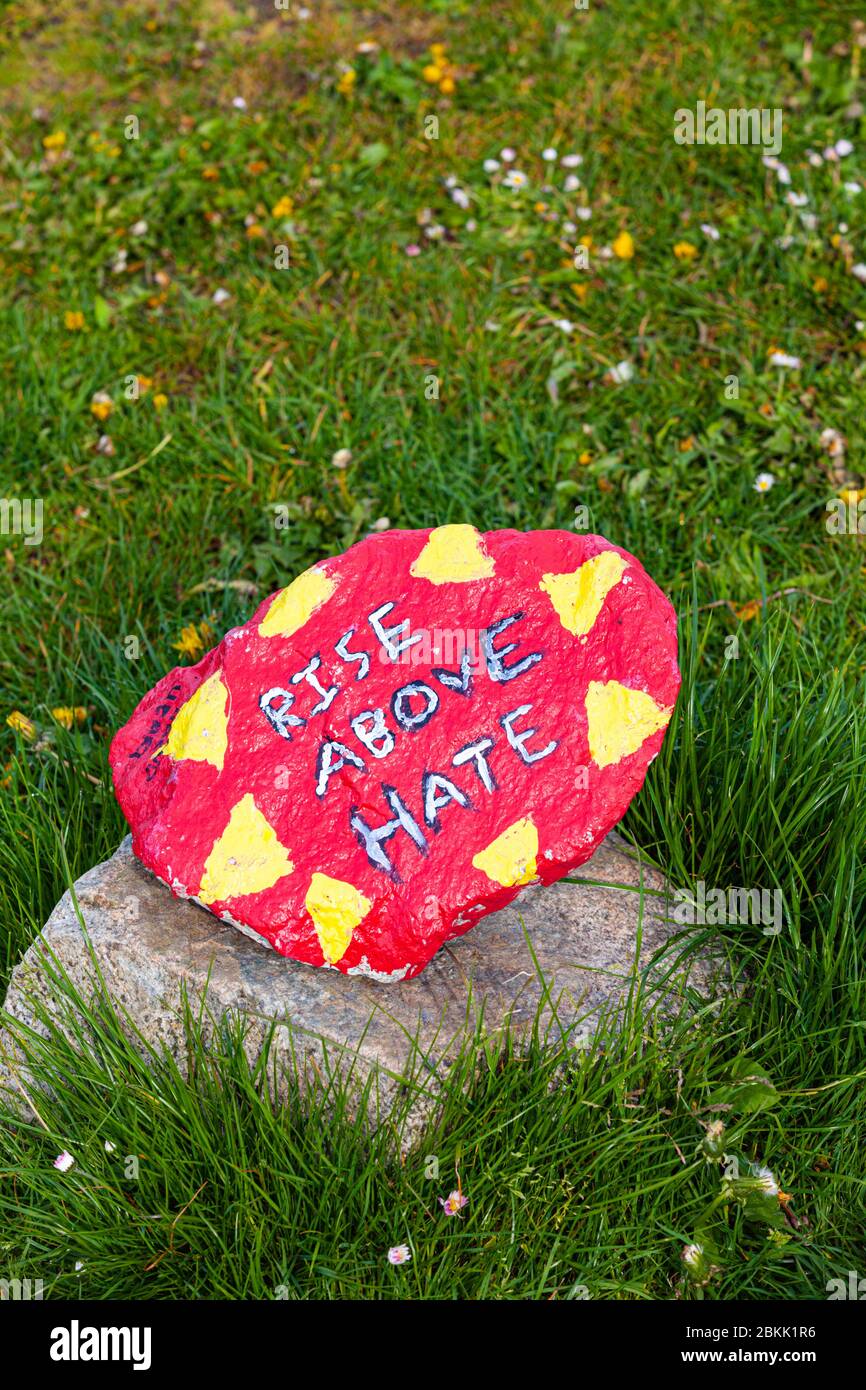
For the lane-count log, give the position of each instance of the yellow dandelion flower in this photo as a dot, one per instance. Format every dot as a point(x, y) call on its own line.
point(447, 86)
point(190, 643)
point(101, 406)
point(432, 74)
point(194, 640)
point(21, 724)
point(55, 141)
point(347, 82)
point(437, 52)
point(255, 230)
point(623, 247)
point(69, 715)
point(74, 320)
point(160, 400)
point(284, 207)
point(685, 251)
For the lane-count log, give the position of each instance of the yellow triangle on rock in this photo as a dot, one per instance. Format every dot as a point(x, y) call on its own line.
point(511, 858)
point(453, 555)
point(336, 909)
point(200, 728)
point(247, 857)
point(296, 604)
point(578, 597)
point(620, 720)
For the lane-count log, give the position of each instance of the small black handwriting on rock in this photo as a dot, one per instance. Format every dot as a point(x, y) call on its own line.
point(164, 713)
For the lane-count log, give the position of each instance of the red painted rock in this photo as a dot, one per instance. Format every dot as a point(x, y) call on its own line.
point(401, 739)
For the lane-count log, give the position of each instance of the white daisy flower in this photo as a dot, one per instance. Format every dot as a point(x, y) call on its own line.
point(692, 1255)
point(784, 359)
point(797, 200)
point(508, 155)
point(833, 442)
point(843, 148)
point(571, 161)
point(341, 459)
point(764, 482)
point(239, 103)
point(460, 197)
point(859, 270)
point(220, 297)
point(491, 165)
point(622, 372)
point(583, 213)
point(564, 325)
point(572, 183)
point(64, 1161)
point(710, 231)
point(549, 155)
point(852, 188)
point(399, 1255)
point(515, 178)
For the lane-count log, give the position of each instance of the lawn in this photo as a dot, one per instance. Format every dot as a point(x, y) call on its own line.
point(270, 279)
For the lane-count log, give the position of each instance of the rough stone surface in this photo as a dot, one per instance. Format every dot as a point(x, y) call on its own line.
point(148, 944)
point(402, 739)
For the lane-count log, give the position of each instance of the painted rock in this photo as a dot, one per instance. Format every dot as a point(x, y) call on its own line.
point(402, 738)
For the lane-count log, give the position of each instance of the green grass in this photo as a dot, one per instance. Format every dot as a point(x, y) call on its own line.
point(760, 782)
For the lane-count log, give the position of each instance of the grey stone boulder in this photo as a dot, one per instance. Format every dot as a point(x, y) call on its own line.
point(564, 956)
